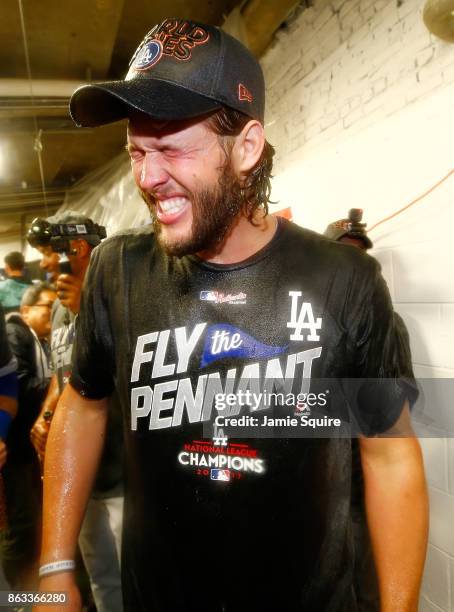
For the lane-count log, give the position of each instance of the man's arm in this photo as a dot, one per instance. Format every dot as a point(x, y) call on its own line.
point(73, 451)
point(397, 514)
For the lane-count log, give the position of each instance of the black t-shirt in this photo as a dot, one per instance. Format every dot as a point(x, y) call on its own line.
point(249, 523)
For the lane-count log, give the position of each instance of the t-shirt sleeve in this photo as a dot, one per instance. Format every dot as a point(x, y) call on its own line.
point(382, 375)
point(93, 362)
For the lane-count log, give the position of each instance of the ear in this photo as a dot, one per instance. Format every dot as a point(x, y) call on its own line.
point(24, 310)
point(82, 248)
point(248, 148)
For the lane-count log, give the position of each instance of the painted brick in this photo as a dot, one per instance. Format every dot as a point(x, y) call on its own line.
point(427, 606)
point(450, 449)
point(424, 57)
point(323, 17)
point(431, 334)
point(435, 462)
point(420, 273)
point(441, 513)
point(451, 576)
point(352, 117)
point(435, 584)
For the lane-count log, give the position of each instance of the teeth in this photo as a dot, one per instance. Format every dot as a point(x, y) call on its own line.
point(172, 205)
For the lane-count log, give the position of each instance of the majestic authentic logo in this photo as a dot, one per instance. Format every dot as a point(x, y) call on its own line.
point(221, 298)
point(173, 38)
point(304, 320)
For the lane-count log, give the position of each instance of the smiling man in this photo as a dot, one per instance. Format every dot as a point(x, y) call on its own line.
point(217, 299)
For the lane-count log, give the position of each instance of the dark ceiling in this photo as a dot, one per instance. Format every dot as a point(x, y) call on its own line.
point(70, 43)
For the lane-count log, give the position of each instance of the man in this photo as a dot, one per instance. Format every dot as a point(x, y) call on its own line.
point(100, 538)
point(8, 404)
point(27, 334)
point(12, 289)
point(50, 263)
point(225, 304)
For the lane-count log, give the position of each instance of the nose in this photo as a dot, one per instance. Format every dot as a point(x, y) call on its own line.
point(152, 173)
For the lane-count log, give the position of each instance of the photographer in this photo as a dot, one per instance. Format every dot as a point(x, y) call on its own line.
point(74, 236)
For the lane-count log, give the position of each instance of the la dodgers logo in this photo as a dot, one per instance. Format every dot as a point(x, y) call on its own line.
point(149, 55)
point(304, 320)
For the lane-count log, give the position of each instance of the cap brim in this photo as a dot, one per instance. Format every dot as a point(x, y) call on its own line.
point(102, 103)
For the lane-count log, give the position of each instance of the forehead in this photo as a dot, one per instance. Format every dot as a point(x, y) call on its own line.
point(47, 296)
point(143, 126)
point(46, 250)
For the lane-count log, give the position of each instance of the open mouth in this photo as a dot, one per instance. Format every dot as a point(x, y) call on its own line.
point(169, 210)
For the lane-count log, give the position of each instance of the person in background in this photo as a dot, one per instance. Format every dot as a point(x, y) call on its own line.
point(100, 537)
point(12, 288)
point(215, 298)
point(8, 404)
point(49, 262)
point(28, 334)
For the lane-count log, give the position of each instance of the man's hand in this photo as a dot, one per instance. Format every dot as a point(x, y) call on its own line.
point(40, 429)
point(38, 436)
point(68, 290)
point(63, 582)
point(3, 453)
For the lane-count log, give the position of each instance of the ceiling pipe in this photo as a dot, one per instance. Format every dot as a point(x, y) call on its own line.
point(10, 88)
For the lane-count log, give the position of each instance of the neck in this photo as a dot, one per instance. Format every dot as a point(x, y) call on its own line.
point(243, 240)
point(15, 273)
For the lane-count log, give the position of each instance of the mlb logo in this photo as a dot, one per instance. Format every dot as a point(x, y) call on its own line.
point(208, 296)
point(220, 475)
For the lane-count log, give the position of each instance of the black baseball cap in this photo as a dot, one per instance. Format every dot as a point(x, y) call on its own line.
point(181, 69)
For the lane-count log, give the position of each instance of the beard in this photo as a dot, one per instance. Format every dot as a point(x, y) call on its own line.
point(214, 212)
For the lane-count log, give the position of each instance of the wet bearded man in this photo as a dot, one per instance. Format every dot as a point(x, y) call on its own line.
point(208, 189)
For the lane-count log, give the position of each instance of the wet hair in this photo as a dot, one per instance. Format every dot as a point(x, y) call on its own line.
point(256, 190)
point(15, 260)
point(32, 295)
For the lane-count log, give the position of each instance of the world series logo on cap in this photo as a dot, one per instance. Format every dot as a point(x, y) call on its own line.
point(148, 56)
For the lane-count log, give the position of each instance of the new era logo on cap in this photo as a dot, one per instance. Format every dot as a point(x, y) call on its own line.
point(244, 93)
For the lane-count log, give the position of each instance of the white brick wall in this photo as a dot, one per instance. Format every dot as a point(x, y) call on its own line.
point(360, 101)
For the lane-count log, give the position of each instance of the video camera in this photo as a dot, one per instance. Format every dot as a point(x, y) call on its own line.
point(354, 224)
point(43, 233)
point(58, 235)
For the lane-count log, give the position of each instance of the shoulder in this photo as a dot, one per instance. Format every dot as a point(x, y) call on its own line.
point(17, 329)
point(311, 248)
point(4, 284)
point(136, 237)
